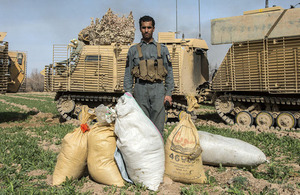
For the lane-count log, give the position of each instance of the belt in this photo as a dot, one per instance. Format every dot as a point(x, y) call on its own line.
point(141, 81)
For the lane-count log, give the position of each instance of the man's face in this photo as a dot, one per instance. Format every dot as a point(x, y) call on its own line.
point(147, 30)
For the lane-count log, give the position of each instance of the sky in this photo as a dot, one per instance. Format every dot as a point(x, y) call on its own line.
point(34, 26)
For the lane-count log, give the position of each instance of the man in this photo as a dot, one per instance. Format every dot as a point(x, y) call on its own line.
point(148, 64)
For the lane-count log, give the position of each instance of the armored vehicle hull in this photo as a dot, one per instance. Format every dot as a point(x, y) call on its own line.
point(258, 81)
point(12, 68)
point(3, 66)
point(96, 75)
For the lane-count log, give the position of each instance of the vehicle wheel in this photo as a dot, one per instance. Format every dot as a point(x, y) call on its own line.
point(224, 106)
point(286, 120)
point(244, 118)
point(264, 119)
point(65, 106)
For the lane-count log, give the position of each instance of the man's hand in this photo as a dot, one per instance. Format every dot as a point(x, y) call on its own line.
point(169, 99)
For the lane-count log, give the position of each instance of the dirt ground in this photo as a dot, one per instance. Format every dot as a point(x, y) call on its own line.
point(224, 179)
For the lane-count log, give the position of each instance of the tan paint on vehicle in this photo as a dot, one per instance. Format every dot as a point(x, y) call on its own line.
point(17, 70)
point(100, 69)
point(12, 67)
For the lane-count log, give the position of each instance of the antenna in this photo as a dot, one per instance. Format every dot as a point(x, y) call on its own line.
point(267, 4)
point(176, 21)
point(199, 19)
point(293, 6)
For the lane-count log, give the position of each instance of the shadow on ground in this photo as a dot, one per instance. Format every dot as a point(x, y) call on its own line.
point(210, 116)
point(15, 116)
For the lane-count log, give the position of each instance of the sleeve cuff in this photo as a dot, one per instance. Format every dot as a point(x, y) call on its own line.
point(169, 93)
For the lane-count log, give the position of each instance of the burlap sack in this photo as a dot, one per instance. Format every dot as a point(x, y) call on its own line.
point(101, 148)
point(183, 152)
point(72, 158)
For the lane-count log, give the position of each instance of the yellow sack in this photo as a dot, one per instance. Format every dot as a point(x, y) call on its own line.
point(101, 148)
point(183, 152)
point(71, 161)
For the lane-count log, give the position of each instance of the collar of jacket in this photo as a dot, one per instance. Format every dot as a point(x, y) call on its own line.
point(152, 42)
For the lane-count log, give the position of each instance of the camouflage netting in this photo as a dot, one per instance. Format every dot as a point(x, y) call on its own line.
point(111, 29)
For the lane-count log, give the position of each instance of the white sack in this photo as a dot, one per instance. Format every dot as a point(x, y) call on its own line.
point(140, 143)
point(229, 151)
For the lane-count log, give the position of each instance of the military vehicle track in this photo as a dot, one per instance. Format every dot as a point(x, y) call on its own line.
point(69, 105)
point(259, 110)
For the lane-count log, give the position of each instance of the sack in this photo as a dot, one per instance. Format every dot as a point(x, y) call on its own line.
point(183, 153)
point(140, 143)
point(121, 165)
point(101, 148)
point(71, 161)
point(229, 151)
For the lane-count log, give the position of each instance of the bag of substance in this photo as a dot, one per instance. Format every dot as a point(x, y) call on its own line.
point(71, 161)
point(140, 143)
point(101, 148)
point(121, 165)
point(218, 150)
point(183, 151)
point(105, 114)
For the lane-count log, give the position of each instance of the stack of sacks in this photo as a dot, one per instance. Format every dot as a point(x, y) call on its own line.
point(139, 141)
point(93, 147)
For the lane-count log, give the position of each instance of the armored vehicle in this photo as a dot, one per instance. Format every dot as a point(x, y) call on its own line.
point(95, 76)
point(3, 63)
point(12, 68)
point(258, 81)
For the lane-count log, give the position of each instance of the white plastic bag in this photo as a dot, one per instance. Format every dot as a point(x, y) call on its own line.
point(218, 149)
point(105, 114)
point(140, 143)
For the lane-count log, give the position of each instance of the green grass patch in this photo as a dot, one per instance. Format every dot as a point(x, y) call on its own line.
point(210, 179)
point(275, 172)
point(20, 154)
point(169, 129)
point(9, 108)
point(46, 98)
point(43, 106)
point(53, 134)
point(192, 189)
point(9, 113)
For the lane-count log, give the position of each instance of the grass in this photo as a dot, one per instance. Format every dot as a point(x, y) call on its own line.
point(9, 108)
point(46, 107)
point(9, 113)
point(53, 134)
point(20, 153)
point(190, 190)
point(46, 98)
